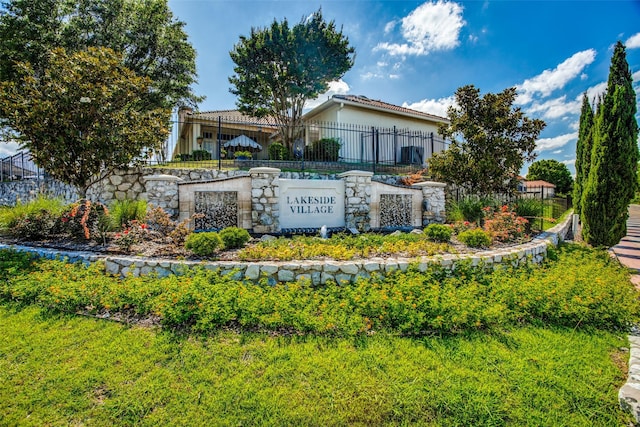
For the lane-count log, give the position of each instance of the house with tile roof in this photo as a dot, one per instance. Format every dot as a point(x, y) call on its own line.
point(211, 130)
point(536, 188)
point(368, 131)
point(388, 133)
point(360, 110)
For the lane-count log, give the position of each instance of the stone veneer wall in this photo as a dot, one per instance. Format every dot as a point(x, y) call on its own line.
point(132, 184)
point(316, 272)
point(27, 190)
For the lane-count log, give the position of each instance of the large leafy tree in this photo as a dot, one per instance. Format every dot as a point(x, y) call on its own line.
point(153, 43)
point(611, 184)
point(490, 141)
point(552, 171)
point(279, 68)
point(583, 152)
point(83, 116)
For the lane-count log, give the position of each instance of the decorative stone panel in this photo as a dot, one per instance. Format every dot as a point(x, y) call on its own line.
point(395, 206)
point(192, 195)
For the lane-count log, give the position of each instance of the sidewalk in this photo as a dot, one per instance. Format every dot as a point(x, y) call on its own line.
point(628, 250)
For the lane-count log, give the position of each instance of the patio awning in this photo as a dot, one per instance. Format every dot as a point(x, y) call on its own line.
point(244, 142)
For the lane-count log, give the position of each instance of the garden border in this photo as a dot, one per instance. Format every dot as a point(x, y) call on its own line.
point(315, 271)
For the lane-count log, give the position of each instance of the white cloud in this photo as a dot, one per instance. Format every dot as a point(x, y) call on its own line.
point(550, 80)
point(545, 144)
point(437, 107)
point(390, 26)
point(633, 42)
point(557, 152)
point(430, 27)
point(569, 162)
point(595, 91)
point(369, 75)
point(339, 87)
point(556, 108)
point(8, 149)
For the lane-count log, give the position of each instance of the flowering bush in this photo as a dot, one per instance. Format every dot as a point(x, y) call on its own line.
point(134, 233)
point(504, 225)
point(83, 219)
point(462, 226)
point(159, 221)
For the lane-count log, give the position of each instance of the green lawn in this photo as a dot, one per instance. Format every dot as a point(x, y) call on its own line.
point(70, 370)
point(537, 346)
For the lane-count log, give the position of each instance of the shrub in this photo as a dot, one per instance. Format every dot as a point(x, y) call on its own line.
point(159, 222)
point(135, 232)
point(438, 232)
point(83, 219)
point(475, 238)
point(277, 151)
point(504, 225)
point(124, 211)
point(201, 155)
point(462, 226)
point(470, 209)
point(529, 209)
point(203, 244)
point(243, 155)
point(33, 220)
point(234, 237)
point(323, 150)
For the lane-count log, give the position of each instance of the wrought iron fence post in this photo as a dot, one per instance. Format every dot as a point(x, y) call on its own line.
point(219, 143)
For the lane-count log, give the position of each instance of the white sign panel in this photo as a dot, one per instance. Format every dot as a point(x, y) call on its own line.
point(306, 203)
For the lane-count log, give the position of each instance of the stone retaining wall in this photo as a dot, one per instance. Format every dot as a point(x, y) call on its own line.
point(316, 272)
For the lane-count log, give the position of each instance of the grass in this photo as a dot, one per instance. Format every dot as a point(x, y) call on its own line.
point(67, 370)
point(538, 346)
point(199, 164)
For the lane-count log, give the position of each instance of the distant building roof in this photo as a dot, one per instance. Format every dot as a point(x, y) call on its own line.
point(230, 116)
point(371, 104)
point(537, 184)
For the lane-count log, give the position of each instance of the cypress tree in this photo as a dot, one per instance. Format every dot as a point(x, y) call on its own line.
point(611, 183)
point(583, 153)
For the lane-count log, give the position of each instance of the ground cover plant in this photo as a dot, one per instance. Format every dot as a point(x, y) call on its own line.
point(539, 346)
point(596, 294)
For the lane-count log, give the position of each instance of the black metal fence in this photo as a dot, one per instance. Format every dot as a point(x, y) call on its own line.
point(18, 167)
point(313, 145)
point(539, 205)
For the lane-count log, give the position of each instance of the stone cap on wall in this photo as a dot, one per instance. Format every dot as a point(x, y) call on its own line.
point(429, 184)
point(355, 173)
point(162, 177)
point(264, 169)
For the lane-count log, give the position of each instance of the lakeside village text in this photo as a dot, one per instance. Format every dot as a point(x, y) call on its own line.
point(311, 204)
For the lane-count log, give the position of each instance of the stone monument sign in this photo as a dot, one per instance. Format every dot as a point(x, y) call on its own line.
point(308, 203)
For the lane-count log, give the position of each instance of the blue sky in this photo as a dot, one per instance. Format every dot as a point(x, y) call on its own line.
point(416, 54)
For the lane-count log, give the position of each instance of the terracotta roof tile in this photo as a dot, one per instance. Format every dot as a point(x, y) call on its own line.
point(538, 183)
point(233, 115)
point(363, 100)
